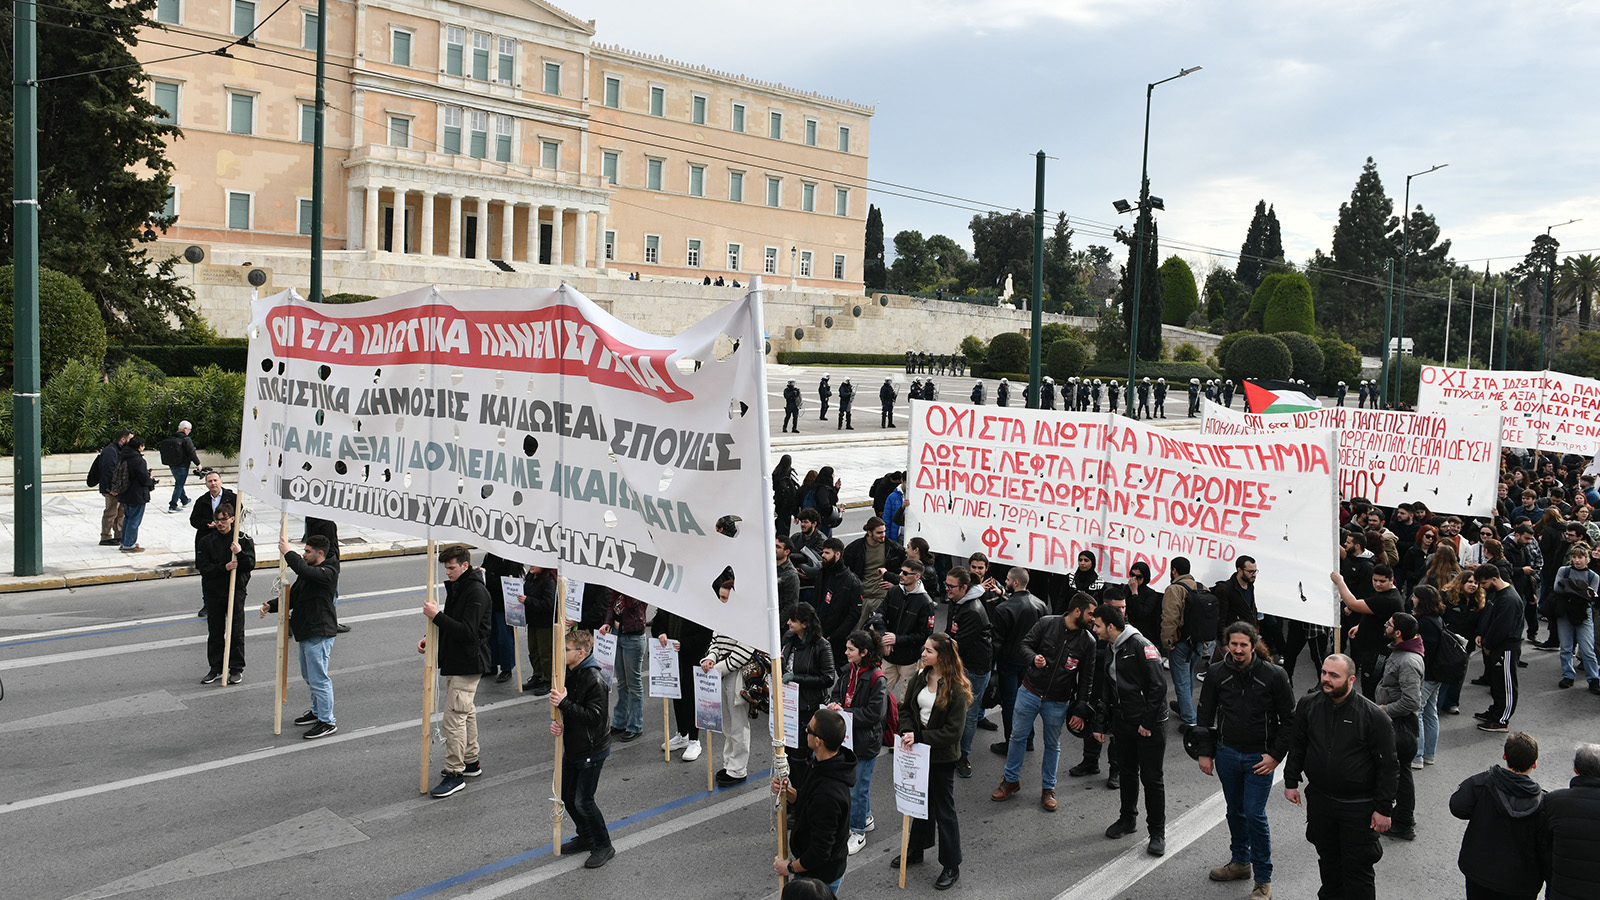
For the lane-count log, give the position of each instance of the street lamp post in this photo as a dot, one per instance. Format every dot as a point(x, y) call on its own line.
point(793, 254)
point(1141, 227)
point(1549, 276)
point(1405, 252)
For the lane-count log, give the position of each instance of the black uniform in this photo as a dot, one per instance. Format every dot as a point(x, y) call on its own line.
point(1194, 398)
point(1094, 392)
point(977, 394)
point(886, 396)
point(847, 394)
point(213, 551)
point(1341, 392)
point(1048, 394)
point(824, 393)
point(911, 361)
point(1227, 394)
point(1113, 393)
point(1002, 394)
point(929, 392)
point(1144, 401)
point(791, 407)
point(1161, 400)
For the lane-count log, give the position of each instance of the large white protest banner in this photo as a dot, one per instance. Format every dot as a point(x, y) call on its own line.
point(1034, 487)
point(530, 423)
point(1448, 462)
point(1540, 410)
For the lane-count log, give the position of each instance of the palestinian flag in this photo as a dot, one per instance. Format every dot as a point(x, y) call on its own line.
point(1266, 396)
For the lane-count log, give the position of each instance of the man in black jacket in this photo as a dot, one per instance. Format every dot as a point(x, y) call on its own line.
point(177, 454)
point(820, 808)
point(886, 397)
point(1344, 744)
point(969, 628)
point(908, 614)
point(464, 656)
point(1570, 832)
point(874, 559)
point(100, 477)
point(1058, 683)
point(1013, 618)
point(791, 407)
point(1133, 709)
point(222, 556)
point(824, 394)
point(838, 597)
point(1246, 712)
point(788, 577)
point(203, 518)
point(585, 744)
point(1500, 853)
point(1500, 636)
point(314, 622)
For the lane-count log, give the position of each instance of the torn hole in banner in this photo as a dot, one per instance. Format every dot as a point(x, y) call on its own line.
point(422, 374)
point(281, 367)
point(612, 456)
point(610, 519)
point(530, 445)
point(457, 432)
point(666, 480)
point(358, 426)
point(341, 468)
point(499, 381)
point(461, 485)
point(324, 371)
point(400, 424)
point(516, 498)
point(687, 366)
point(255, 412)
point(456, 375)
point(486, 491)
point(737, 408)
point(306, 466)
point(406, 481)
point(377, 375)
point(728, 526)
point(319, 417)
point(500, 438)
point(266, 365)
point(388, 475)
point(255, 332)
point(724, 347)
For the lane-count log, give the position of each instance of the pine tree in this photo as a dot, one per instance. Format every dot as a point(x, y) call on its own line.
point(1272, 240)
point(104, 177)
point(1150, 290)
point(874, 275)
point(1363, 243)
point(1249, 271)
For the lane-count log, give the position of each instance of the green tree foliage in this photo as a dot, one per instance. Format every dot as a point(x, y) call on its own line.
point(1259, 356)
point(1179, 298)
point(1008, 352)
point(1262, 248)
point(1261, 299)
point(80, 413)
point(1408, 370)
point(1340, 362)
point(874, 276)
point(347, 298)
point(1066, 273)
point(1065, 359)
point(1104, 278)
point(70, 326)
point(1057, 331)
point(1290, 307)
point(1150, 302)
point(1579, 356)
point(974, 349)
point(1527, 278)
point(1002, 244)
point(1224, 299)
point(1110, 338)
point(1220, 354)
point(1576, 282)
point(915, 268)
point(1306, 354)
point(1429, 258)
point(1187, 352)
point(1364, 241)
point(104, 177)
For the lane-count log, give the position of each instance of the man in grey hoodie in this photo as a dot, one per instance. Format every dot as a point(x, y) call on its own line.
point(1500, 853)
point(1399, 694)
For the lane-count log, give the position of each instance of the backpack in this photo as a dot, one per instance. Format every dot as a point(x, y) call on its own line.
point(1201, 612)
point(119, 478)
point(1451, 657)
point(756, 692)
point(891, 718)
point(172, 451)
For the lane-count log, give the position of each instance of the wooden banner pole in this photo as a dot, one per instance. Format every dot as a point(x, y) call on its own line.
point(711, 783)
point(233, 584)
point(280, 679)
point(780, 759)
point(430, 667)
point(558, 682)
point(516, 645)
point(905, 847)
point(666, 728)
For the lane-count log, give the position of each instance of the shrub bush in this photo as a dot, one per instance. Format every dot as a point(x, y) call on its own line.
point(70, 326)
point(1340, 362)
point(974, 349)
point(1290, 308)
point(1259, 356)
point(230, 355)
point(1173, 372)
point(1187, 352)
point(1307, 356)
point(348, 298)
point(1260, 300)
point(1065, 359)
point(1008, 352)
point(80, 412)
point(1179, 296)
point(1220, 355)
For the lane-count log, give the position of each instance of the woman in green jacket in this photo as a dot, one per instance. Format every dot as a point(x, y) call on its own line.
point(934, 712)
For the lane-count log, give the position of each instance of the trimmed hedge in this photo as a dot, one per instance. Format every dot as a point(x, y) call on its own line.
point(1341, 362)
point(1290, 307)
point(185, 359)
point(1179, 296)
point(1259, 356)
point(1065, 358)
point(1008, 350)
point(70, 326)
point(820, 358)
point(1306, 353)
point(1118, 369)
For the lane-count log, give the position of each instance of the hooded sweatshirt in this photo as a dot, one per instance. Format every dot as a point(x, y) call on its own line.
point(820, 840)
point(1500, 850)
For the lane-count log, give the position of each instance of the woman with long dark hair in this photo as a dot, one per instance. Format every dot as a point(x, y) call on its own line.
point(862, 692)
point(808, 666)
point(785, 494)
point(935, 707)
point(1464, 600)
point(1414, 562)
point(825, 495)
point(1429, 605)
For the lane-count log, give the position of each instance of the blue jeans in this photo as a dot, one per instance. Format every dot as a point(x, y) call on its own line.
point(1450, 696)
point(314, 654)
point(980, 683)
point(1432, 691)
point(180, 474)
point(629, 675)
point(1010, 675)
point(1030, 705)
point(1184, 660)
point(132, 515)
point(861, 795)
point(502, 642)
point(1579, 637)
point(1246, 794)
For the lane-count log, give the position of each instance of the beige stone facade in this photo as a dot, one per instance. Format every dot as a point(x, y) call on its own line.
point(460, 134)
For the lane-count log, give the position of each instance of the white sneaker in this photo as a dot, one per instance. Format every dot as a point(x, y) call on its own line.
point(691, 752)
point(677, 743)
point(871, 825)
point(1416, 763)
point(856, 842)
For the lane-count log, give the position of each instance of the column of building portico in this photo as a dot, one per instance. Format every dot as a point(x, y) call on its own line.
point(580, 251)
point(533, 234)
point(454, 249)
point(556, 216)
point(425, 239)
point(508, 228)
point(600, 240)
point(369, 233)
point(482, 251)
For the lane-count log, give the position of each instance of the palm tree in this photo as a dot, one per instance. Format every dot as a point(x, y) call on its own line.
point(1578, 278)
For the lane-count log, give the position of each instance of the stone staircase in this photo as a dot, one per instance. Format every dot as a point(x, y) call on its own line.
point(841, 313)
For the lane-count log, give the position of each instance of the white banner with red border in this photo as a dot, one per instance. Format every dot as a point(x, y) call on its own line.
point(1540, 410)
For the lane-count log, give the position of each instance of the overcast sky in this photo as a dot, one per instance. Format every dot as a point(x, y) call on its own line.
point(1292, 99)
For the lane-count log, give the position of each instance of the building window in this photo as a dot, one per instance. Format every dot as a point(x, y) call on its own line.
point(244, 17)
point(653, 176)
point(506, 66)
point(805, 263)
point(170, 208)
point(697, 109)
point(552, 78)
point(608, 166)
point(808, 198)
point(452, 130)
point(308, 123)
point(169, 12)
point(769, 263)
point(308, 30)
point(811, 132)
point(399, 131)
point(502, 139)
point(775, 126)
point(693, 258)
point(478, 134)
point(550, 154)
point(306, 216)
point(736, 187)
point(844, 139)
point(733, 257)
point(480, 56)
point(841, 201)
point(838, 266)
point(611, 244)
point(455, 39)
point(165, 95)
point(658, 101)
point(399, 47)
point(697, 181)
point(241, 113)
point(774, 189)
point(738, 117)
point(652, 248)
point(613, 91)
point(239, 210)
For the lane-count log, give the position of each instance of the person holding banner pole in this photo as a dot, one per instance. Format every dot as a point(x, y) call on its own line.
point(821, 806)
point(462, 630)
point(936, 703)
point(225, 561)
point(314, 625)
point(585, 744)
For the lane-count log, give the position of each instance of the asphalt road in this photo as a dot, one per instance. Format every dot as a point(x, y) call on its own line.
point(127, 777)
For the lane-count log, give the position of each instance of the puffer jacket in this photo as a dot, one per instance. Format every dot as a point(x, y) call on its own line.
point(1501, 849)
point(1399, 693)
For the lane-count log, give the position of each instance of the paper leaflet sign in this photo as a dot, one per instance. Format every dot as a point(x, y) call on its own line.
point(1034, 487)
point(1540, 410)
point(1448, 462)
point(528, 423)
